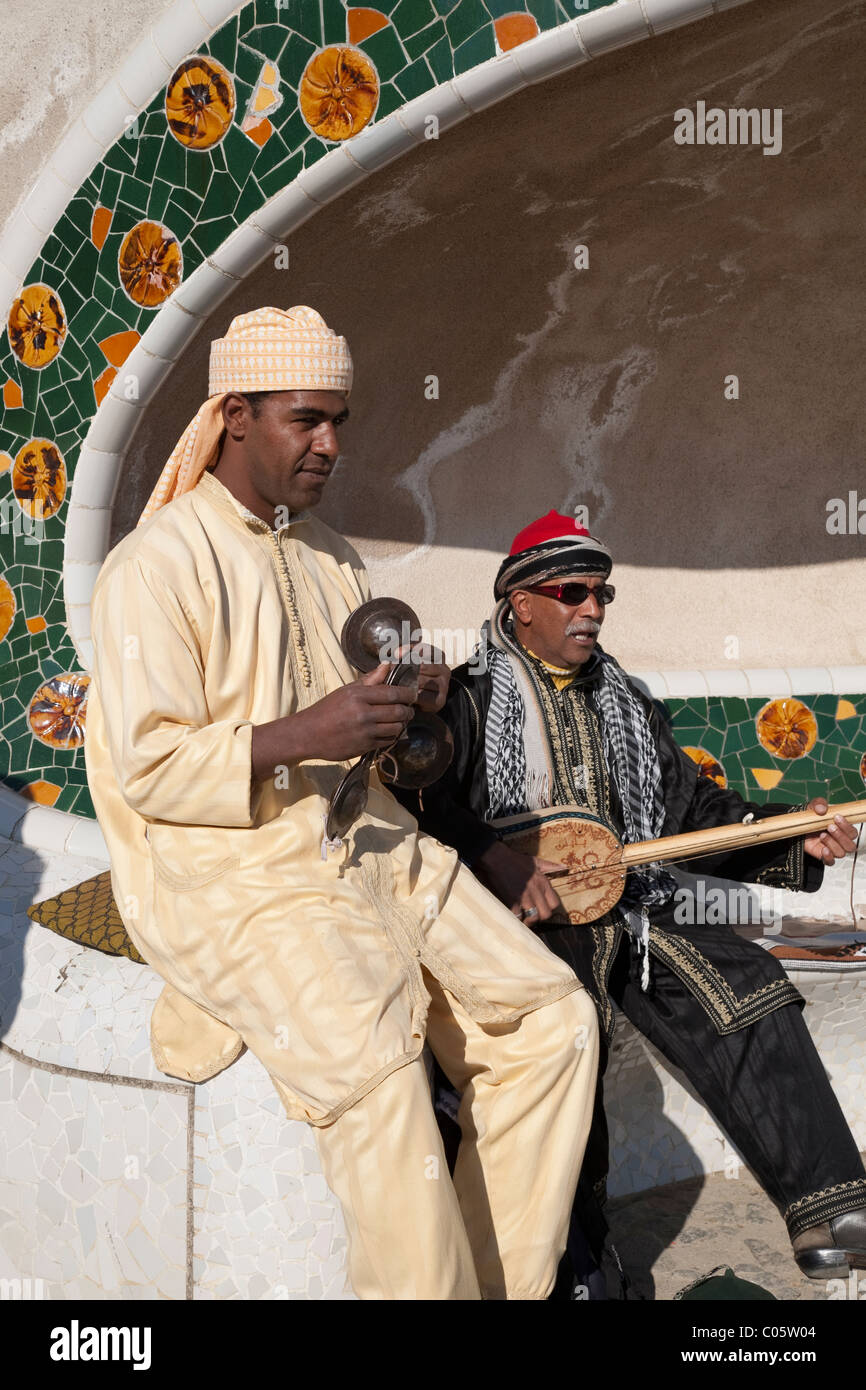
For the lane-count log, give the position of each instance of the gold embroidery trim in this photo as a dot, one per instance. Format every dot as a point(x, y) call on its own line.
point(299, 641)
point(823, 1206)
point(606, 934)
point(727, 1011)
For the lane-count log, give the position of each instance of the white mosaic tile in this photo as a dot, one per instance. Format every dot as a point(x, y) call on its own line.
point(266, 1224)
point(660, 1130)
point(61, 1002)
point(81, 1211)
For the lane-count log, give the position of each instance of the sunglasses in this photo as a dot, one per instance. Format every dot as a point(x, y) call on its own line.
point(574, 593)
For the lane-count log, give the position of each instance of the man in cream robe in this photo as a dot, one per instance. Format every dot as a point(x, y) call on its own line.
point(331, 962)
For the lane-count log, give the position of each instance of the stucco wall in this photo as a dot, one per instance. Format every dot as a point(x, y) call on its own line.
point(56, 55)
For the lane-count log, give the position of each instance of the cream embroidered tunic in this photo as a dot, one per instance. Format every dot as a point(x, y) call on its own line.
point(206, 622)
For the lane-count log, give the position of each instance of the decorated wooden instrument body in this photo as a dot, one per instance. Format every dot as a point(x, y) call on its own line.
point(596, 862)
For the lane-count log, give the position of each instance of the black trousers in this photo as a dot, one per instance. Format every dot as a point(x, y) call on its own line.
point(764, 1084)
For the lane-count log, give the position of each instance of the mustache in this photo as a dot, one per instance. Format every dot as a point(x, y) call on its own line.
point(584, 627)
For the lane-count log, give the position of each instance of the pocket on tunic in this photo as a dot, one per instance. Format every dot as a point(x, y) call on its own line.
point(186, 857)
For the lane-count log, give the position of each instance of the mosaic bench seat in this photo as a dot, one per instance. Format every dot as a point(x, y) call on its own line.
point(118, 1182)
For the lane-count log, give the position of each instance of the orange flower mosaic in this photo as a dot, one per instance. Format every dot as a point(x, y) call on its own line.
point(200, 103)
point(708, 766)
point(37, 326)
point(863, 767)
point(39, 478)
point(338, 92)
point(58, 711)
point(7, 607)
point(787, 728)
point(150, 264)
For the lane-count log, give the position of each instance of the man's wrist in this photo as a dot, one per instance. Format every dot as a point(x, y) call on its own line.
point(490, 852)
point(276, 744)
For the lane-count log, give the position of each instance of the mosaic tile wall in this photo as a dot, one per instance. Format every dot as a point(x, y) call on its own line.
point(777, 750)
point(277, 87)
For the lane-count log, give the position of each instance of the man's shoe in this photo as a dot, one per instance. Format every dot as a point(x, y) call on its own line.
point(829, 1251)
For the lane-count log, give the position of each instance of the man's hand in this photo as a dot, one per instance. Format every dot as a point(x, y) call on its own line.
point(519, 881)
point(361, 716)
point(839, 839)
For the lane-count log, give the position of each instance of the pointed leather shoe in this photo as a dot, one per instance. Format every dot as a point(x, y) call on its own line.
point(830, 1250)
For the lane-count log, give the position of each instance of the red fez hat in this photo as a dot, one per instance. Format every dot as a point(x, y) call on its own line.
point(552, 527)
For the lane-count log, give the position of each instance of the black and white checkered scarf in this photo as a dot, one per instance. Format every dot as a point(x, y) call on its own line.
point(519, 767)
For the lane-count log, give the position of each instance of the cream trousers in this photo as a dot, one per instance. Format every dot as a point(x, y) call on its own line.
point(499, 1229)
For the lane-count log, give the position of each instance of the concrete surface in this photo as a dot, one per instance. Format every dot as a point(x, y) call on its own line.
point(670, 1236)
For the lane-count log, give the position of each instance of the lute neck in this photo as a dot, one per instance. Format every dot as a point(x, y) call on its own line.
point(731, 837)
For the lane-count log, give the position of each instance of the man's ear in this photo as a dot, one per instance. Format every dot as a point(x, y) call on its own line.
point(236, 414)
point(521, 604)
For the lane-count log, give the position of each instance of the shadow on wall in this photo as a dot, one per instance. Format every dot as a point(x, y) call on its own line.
point(603, 386)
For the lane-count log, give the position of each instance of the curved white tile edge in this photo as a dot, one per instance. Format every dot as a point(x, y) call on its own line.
point(751, 684)
point(45, 828)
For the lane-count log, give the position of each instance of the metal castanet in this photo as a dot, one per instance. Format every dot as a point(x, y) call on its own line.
point(595, 862)
point(376, 632)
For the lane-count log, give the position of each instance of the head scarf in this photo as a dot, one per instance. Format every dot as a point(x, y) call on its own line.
point(553, 545)
point(266, 350)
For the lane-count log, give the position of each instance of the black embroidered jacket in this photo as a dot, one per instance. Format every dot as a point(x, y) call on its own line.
point(453, 811)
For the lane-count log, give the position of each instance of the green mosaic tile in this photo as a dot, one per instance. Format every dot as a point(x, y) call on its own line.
point(269, 39)
point(411, 15)
point(207, 237)
point(247, 68)
point(390, 100)
point(249, 200)
point(544, 11)
point(498, 8)
point(296, 54)
point(426, 39)
point(85, 321)
point(465, 19)
point(108, 187)
point(82, 804)
point(305, 17)
point(444, 7)
point(278, 178)
point(171, 164)
point(121, 156)
point(475, 50)
point(147, 153)
point(334, 22)
point(712, 742)
point(82, 271)
point(223, 44)
point(386, 52)
point(415, 79)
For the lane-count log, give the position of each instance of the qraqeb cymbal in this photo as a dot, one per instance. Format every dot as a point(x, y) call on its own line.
point(420, 755)
point(376, 630)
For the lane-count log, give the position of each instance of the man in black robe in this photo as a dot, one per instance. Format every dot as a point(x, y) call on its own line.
point(543, 717)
